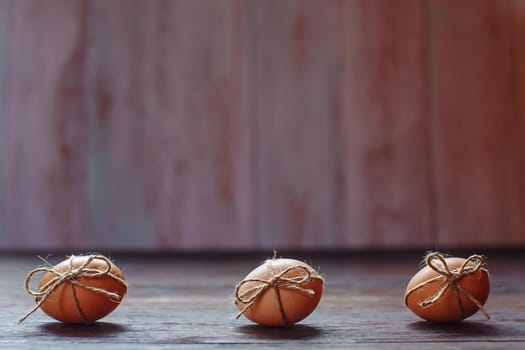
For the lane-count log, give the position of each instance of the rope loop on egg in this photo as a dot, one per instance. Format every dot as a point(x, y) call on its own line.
point(451, 279)
point(250, 296)
point(72, 277)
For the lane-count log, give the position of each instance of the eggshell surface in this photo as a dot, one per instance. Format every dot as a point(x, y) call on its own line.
point(93, 305)
point(296, 305)
point(451, 306)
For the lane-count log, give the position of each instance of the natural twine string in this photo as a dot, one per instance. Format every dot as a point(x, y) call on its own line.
point(73, 277)
point(452, 279)
point(250, 296)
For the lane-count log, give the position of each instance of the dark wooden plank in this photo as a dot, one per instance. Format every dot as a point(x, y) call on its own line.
point(382, 129)
point(185, 302)
point(295, 76)
point(45, 142)
point(474, 123)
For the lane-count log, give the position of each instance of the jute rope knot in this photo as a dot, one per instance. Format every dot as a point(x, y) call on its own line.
point(250, 296)
point(451, 279)
point(72, 276)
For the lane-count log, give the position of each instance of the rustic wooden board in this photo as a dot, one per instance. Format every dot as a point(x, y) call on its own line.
point(382, 128)
point(474, 123)
point(171, 146)
point(295, 77)
point(122, 155)
point(6, 14)
point(185, 302)
point(203, 76)
point(203, 125)
point(518, 54)
point(45, 142)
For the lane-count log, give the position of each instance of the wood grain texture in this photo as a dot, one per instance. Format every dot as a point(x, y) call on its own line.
point(203, 96)
point(122, 123)
point(170, 127)
point(382, 127)
point(295, 72)
point(225, 125)
point(6, 28)
point(186, 303)
point(474, 123)
point(45, 142)
point(518, 55)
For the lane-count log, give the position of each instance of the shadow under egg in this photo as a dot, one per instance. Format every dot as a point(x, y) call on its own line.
point(292, 332)
point(97, 329)
point(465, 328)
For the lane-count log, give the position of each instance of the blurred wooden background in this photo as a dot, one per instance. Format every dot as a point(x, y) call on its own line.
point(260, 124)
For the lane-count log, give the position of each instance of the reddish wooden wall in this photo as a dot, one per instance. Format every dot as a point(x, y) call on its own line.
point(233, 124)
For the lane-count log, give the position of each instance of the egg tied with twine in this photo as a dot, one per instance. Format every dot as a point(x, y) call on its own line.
point(451, 280)
point(292, 278)
point(73, 277)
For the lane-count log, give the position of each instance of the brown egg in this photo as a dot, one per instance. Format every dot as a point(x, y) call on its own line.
point(454, 304)
point(86, 297)
point(280, 292)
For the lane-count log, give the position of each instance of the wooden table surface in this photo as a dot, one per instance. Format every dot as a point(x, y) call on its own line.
point(185, 301)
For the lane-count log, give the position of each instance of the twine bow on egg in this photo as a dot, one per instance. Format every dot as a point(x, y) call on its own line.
point(73, 277)
point(250, 296)
point(451, 280)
